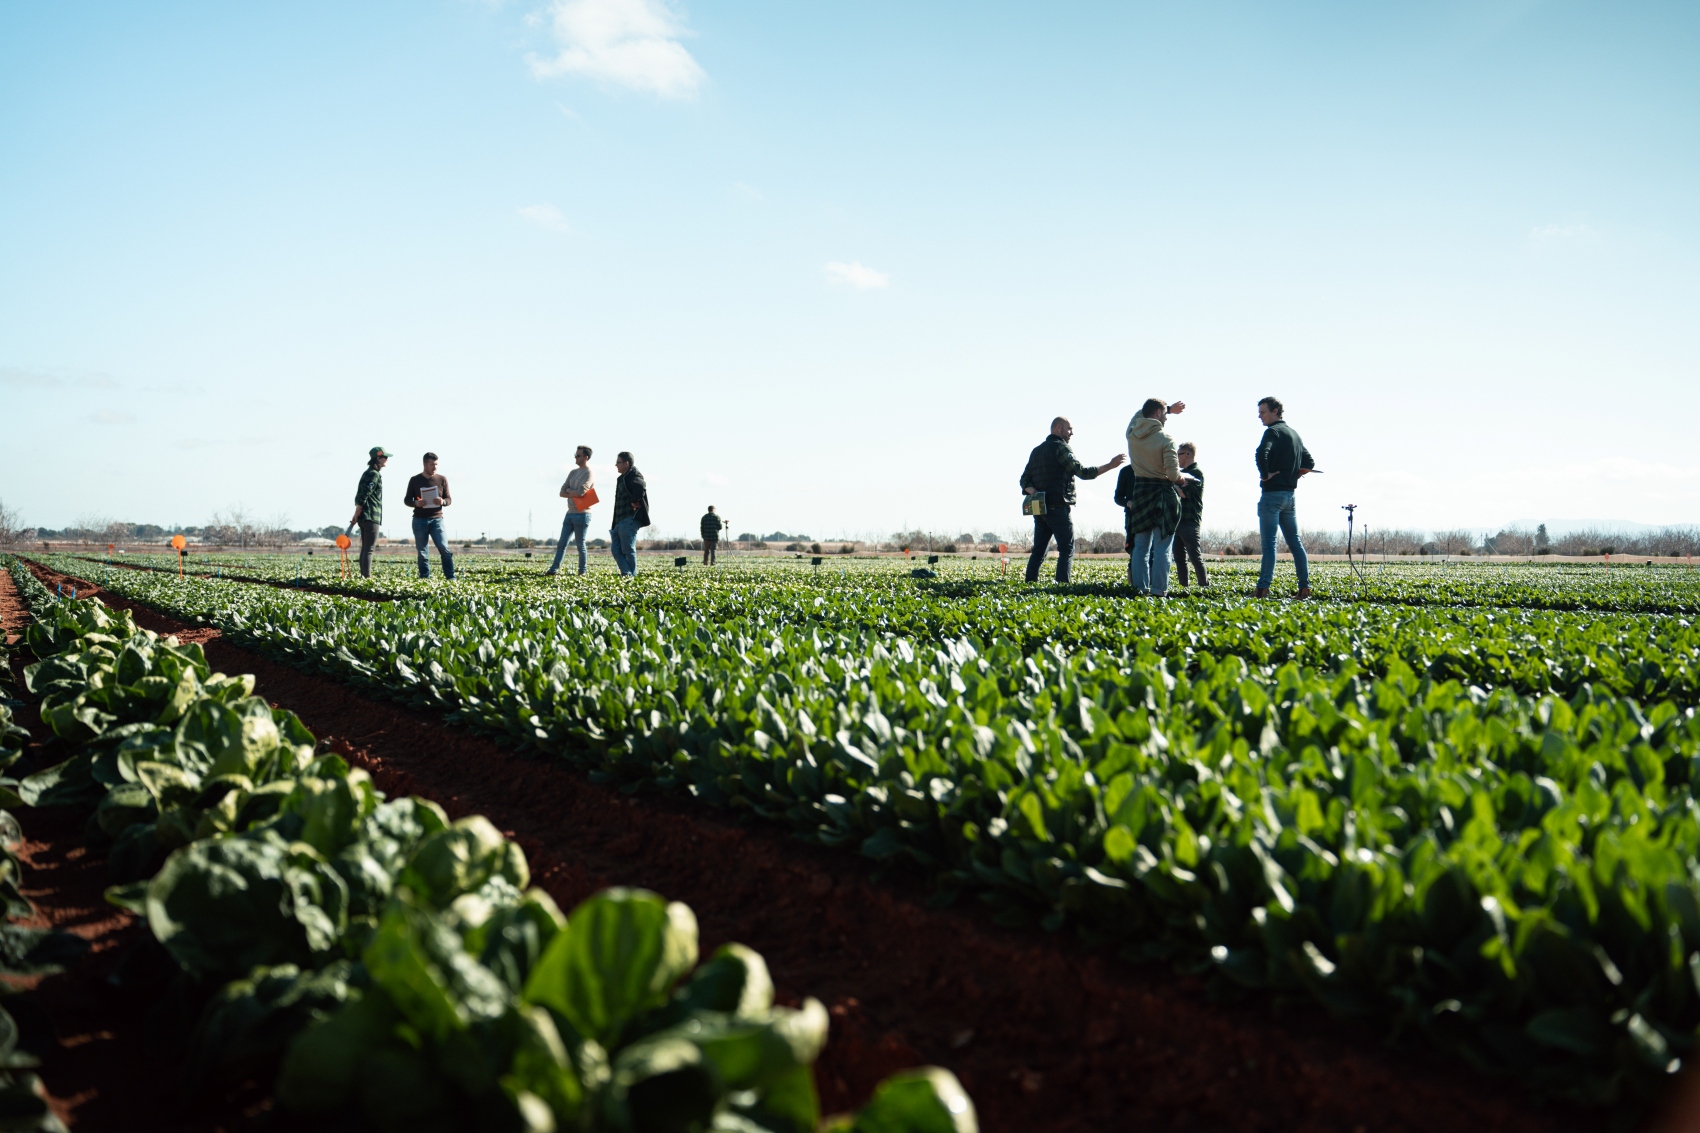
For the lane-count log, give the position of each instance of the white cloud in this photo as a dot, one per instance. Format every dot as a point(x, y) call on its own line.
point(546, 217)
point(1546, 232)
point(12, 376)
point(629, 43)
point(748, 192)
point(112, 417)
point(857, 275)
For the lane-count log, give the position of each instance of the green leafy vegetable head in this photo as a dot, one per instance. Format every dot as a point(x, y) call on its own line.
point(461, 859)
point(619, 957)
point(225, 906)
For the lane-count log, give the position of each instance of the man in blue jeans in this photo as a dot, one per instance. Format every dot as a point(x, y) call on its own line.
point(1152, 499)
point(428, 494)
point(1281, 460)
point(579, 481)
point(631, 511)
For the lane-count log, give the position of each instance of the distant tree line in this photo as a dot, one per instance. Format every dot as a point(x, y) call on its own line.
point(1666, 542)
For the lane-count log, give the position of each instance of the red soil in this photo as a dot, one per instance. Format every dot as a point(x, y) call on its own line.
point(1045, 1033)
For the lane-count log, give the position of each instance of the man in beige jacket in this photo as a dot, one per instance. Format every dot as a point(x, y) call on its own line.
point(1153, 504)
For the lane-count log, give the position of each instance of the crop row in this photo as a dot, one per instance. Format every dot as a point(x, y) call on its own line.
point(1662, 588)
point(24, 951)
point(1510, 874)
point(1531, 651)
point(396, 963)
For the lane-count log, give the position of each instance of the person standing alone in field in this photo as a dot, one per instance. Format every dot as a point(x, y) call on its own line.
point(428, 495)
point(1281, 460)
point(1154, 499)
point(711, 526)
point(369, 506)
point(1051, 471)
point(1192, 515)
point(631, 511)
point(576, 491)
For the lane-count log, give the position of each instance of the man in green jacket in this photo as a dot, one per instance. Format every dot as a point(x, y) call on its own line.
point(369, 506)
point(1282, 460)
point(1051, 470)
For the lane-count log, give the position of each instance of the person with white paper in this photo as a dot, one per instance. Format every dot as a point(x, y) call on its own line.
point(428, 495)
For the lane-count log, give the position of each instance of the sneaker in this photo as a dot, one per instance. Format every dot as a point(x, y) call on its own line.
point(548, 574)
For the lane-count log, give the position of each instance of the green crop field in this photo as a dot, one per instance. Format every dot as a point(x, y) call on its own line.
point(392, 969)
point(1456, 800)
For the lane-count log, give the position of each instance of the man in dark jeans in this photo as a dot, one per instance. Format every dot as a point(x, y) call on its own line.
point(369, 506)
point(1052, 469)
point(1282, 460)
point(1192, 514)
point(631, 511)
point(428, 494)
point(711, 526)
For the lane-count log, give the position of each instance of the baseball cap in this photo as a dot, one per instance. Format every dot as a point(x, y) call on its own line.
point(377, 451)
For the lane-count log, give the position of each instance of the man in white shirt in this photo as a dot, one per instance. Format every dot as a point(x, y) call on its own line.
point(579, 481)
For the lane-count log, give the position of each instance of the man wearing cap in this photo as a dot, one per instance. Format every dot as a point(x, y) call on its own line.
point(369, 506)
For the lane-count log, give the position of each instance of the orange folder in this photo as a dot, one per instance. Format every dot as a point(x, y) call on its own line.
point(582, 503)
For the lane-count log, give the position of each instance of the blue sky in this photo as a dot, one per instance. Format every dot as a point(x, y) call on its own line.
point(834, 267)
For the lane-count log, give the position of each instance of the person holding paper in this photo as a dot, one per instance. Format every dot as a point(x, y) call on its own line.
point(579, 492)
point(428, 495)
point(1153, 502)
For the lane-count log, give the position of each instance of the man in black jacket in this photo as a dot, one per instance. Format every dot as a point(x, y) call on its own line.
point(1051, 470)
point(1192, 515)
point(711, 526)
point(1281, 460)
point(631, 511)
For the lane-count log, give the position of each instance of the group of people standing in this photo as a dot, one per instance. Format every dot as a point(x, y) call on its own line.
point(1161, 492)
point(631, 511)
point(428, 494)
